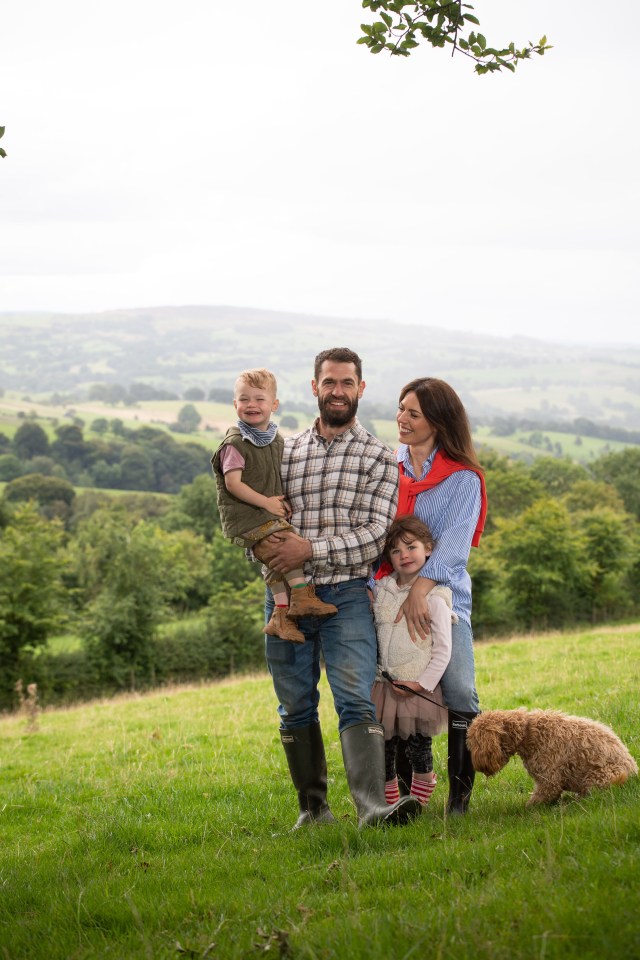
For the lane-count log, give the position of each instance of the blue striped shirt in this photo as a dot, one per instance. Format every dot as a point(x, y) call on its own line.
point(450, 510)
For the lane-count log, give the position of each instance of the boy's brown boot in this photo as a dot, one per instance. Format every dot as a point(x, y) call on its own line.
point(281, 625)
point(304, 603)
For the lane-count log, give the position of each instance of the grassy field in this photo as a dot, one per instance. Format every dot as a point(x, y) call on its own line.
point(157, 827)
point(519, 445)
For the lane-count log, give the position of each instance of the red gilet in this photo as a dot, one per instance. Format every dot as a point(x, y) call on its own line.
point(441, 468)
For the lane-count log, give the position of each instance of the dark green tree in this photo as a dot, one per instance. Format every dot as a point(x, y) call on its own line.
point(510, 487)
point(622, 471)
point(32, 598)
point(195, 508)
point(557, 475)
point(545, 563)
point(188, 419)
point(129, 574)
point(31, 441)
point(53, 495)
point(10, 467)
point(609, 549)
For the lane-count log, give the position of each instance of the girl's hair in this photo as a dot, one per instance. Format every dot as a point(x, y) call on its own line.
point(407, 528)
point(260, 379)
point(443, 408)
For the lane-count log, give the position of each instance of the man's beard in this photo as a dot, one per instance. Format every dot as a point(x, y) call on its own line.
point(337, 418)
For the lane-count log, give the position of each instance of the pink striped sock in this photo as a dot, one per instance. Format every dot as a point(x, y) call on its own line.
point(422, 789)
point(391, 791)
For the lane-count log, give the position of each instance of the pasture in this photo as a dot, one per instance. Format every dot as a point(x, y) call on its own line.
point(157, 826)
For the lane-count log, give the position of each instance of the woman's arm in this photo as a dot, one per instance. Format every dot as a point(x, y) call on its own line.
point(455, 526)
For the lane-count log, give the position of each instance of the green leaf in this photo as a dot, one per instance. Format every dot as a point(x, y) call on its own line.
point(366, 29)
point(542, 41)
point(3, 153)
point(376, 48)
point(481, 41)
point(463, 44)
point(471, 19)
point(387, 19)
point(2, 131)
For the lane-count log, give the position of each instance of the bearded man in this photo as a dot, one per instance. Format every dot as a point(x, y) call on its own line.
point(341, 484)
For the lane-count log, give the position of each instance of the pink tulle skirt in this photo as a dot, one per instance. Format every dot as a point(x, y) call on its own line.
point(404, 716)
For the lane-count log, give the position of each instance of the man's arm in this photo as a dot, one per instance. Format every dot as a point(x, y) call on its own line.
point(373, 510)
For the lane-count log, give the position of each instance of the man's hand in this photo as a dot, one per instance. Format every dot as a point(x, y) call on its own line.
point(415, 609)
point(283, 552)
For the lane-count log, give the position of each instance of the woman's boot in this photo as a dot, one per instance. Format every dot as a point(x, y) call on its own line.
point(304, 750)
point(460, 767)
point(363, 754)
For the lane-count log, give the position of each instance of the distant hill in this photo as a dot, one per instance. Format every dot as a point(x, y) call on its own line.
point(176, 348)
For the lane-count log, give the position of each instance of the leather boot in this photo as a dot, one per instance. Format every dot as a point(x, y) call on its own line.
point(281, 625)
point(363, 755)
point(460, 767)
point(304, 603)
point(304, 750)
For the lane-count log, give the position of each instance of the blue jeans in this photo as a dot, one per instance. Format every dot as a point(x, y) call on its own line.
point(348, 644)
point(458, 683)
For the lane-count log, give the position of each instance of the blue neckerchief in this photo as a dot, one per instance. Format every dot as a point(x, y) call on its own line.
point(259, 438)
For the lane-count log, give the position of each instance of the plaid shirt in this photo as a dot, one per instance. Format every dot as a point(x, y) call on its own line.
point(343, 495)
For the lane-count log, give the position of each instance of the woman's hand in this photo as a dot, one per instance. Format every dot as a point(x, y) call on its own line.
point(416, 610)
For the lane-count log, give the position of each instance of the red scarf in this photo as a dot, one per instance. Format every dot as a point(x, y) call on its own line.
point(441, 468)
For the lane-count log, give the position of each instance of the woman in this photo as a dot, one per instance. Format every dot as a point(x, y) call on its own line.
point(441, 482)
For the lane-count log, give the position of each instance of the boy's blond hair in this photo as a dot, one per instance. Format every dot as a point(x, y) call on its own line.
point(260, 378)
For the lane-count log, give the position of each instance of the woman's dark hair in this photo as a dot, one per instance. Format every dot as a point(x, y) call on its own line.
point(406, 528)
point(443, 408)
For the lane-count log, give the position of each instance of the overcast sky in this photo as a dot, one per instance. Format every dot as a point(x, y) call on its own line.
point(252, 154)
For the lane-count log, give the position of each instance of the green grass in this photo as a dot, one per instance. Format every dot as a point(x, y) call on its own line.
point(517, 444)
point(157, 826)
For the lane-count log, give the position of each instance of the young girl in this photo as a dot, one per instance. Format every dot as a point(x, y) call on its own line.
point(417, 665)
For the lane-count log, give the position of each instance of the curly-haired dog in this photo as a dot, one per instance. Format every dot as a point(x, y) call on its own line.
point(560, 752)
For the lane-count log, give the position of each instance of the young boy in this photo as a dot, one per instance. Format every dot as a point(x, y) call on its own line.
point(246, 466)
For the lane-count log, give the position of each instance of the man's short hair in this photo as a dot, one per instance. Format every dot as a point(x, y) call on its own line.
point(337, 355)
point(259, 378)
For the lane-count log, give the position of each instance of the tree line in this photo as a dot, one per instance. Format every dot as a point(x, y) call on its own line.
point(147, 458)
point(154, 593)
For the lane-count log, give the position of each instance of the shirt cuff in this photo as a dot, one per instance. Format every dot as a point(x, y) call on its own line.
point(319, 551)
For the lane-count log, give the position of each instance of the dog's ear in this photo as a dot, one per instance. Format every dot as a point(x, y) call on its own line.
point(484, 742)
